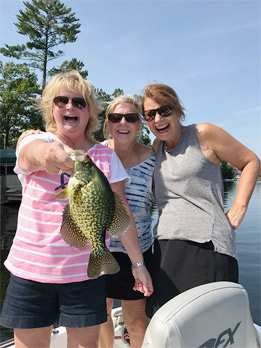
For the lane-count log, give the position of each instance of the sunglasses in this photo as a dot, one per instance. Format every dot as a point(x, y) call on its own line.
point(163, 111)
point(77, 102)
point(116, 118)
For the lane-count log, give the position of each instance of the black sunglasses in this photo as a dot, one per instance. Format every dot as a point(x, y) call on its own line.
point(164, 111)
point(116, 118)
point(77, 102)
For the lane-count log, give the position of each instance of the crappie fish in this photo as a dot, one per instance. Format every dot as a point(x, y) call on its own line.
point(93, 208)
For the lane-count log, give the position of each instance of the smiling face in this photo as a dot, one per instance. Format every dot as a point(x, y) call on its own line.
point(124, 132)
point(164, 128)
point(70, 120)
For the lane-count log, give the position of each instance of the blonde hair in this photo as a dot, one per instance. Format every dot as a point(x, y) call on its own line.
point(121, 99)
point(73, 81)
point(164, 95)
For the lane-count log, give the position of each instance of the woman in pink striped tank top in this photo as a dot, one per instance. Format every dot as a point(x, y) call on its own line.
point(49, 283)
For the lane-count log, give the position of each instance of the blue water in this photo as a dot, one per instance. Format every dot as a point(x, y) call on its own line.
point(249, 247)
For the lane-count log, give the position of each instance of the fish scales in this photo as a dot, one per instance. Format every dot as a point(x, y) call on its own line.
point(93, 208)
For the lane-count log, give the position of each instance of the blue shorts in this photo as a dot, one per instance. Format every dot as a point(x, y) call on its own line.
point(29, 304)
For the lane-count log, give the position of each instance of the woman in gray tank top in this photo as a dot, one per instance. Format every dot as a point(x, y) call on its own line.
point(194, 238)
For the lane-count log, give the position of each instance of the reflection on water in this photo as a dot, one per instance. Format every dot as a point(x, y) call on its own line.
point(248, 246)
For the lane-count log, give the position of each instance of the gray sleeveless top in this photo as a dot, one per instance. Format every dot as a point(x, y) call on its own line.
point(189, 196)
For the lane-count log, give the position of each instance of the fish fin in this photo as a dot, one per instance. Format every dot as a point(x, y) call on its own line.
point(63, 194)
point(102, 261)
point(121, 221)
point(71, 233)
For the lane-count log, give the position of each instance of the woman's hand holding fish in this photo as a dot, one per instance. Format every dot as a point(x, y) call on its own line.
point(39, 155)
point(143, 282)
point(55, 158)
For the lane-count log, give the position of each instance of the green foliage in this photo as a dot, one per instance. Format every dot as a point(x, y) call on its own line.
point(144, 137)
point(104, 99)
point(228, 171)
point(17, 87)
point(117, 92)
point(48, 24)
point(73, 64)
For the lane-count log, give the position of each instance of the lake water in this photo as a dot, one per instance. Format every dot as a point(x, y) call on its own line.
point(248, 246)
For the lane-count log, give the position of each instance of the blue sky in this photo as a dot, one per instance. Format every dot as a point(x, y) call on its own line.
point(208, 51)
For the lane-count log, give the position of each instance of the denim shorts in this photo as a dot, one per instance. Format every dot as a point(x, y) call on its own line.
point(29, 304)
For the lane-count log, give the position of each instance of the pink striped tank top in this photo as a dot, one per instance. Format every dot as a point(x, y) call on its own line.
point(38, 251)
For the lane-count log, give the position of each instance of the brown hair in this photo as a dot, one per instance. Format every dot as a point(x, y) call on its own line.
point(164, 95)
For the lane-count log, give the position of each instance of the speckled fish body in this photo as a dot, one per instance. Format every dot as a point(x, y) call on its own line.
point(93, 208)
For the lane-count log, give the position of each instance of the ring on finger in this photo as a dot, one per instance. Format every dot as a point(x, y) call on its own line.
point(60, 171)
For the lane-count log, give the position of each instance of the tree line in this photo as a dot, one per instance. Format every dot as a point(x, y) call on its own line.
point(47, 25)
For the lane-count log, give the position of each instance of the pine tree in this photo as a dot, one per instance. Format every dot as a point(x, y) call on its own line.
point(48, 24)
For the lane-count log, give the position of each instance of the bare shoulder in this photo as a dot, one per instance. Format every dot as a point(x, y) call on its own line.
point(155, 145)
point(205, 129)
point(207, 133)
point(210, 132)
point(146, 152)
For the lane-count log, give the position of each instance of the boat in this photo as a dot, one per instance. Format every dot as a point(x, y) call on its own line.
point(210, 315)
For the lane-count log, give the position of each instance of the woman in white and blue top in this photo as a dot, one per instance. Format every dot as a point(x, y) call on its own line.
point(121, 130)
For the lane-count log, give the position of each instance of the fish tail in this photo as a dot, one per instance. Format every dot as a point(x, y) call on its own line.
point(102, 261)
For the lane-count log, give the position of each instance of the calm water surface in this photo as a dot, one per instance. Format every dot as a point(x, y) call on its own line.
point(248, 246)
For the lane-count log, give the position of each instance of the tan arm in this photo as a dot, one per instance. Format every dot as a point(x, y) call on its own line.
point(40, 155)
point(217, 144)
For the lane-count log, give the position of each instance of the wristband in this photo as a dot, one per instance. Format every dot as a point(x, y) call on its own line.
point(138, 264)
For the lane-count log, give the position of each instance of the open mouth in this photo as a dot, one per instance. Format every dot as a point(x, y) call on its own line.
point(71, 118)
point(162, 129)
point(123, 132)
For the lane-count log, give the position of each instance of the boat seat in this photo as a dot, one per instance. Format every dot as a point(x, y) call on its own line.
point(211, 315)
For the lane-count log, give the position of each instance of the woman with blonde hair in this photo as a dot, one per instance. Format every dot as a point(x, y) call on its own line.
point(121, 129)
point(49, 282)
